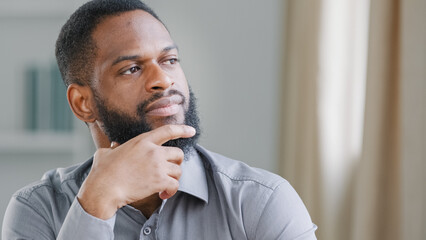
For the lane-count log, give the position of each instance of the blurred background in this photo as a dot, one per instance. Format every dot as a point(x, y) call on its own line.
point(330, 94)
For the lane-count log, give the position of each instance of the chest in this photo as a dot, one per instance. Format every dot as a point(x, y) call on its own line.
point(182, 217)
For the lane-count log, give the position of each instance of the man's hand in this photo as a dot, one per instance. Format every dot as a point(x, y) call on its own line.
point(134, 171)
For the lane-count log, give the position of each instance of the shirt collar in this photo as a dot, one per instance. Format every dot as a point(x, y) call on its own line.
point(193, 180)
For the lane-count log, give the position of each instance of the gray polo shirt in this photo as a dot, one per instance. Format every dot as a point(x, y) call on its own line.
point(218, 198)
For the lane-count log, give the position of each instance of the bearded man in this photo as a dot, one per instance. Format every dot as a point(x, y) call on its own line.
point(148, 178)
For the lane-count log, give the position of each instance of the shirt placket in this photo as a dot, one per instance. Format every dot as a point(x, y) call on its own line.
point(149, 228)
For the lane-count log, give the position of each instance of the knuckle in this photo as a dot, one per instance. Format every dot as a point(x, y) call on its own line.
point(158, 166)
point(155, 165)
point(150, 152)
point(170, 130)
point(179, 153)
point(176, 152)
point(153, 153)
point(174, 184)
point(178, 172)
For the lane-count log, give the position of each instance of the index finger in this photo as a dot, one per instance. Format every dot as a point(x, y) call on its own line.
point(165, 133)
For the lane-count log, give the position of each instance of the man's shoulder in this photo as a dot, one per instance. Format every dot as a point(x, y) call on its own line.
point(237, 171)
point(55, 181)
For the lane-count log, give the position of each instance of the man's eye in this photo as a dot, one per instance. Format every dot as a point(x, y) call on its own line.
point(131, 70)
point(171, 61)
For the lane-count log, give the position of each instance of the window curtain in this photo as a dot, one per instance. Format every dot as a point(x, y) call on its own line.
point(353, 116)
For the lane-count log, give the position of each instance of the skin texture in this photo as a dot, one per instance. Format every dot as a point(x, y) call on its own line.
point(136, 58)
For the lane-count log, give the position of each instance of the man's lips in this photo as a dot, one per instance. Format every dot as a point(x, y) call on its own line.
point(165, 106)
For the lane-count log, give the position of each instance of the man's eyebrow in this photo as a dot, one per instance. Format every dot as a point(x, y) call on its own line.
point(171, 47)
point(133, 57)
point(124, 58)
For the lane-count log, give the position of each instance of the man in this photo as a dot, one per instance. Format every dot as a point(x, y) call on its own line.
point(148, 178)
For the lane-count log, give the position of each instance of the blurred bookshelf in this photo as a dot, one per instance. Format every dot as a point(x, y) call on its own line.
point(48, 119)
point(49, 123)
point(36, 122)
point(45, 100)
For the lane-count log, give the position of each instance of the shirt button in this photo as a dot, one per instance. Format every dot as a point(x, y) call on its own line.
point(147, 231)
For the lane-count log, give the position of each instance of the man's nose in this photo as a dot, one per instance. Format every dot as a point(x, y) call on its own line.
point(156, 78)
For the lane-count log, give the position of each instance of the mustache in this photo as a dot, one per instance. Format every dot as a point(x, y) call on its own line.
point(142, 106)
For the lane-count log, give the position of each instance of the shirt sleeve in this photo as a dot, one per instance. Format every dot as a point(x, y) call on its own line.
point(23, 221)
point(285, 217)
point(80, 225)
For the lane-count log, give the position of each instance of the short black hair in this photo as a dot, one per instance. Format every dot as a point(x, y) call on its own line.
point(75, 47)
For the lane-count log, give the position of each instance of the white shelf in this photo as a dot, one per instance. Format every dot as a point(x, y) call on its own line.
point(36, 142)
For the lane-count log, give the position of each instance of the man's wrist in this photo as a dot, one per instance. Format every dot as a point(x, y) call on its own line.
point(95, 204)
point(98, 209)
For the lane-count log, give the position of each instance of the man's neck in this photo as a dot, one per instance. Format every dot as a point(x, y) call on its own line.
point(98, 136)
point(148, 205)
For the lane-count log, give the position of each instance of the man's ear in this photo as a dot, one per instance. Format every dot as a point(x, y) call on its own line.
point(80, 99)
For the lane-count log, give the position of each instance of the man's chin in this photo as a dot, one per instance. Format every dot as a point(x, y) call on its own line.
point(169, 120)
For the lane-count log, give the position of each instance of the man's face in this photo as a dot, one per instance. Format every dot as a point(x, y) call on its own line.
point(138, 81)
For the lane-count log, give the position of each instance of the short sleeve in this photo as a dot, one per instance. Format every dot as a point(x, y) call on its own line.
point(285, 217)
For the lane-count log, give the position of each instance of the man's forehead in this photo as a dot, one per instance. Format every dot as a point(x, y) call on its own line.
point(133, 32)
point(129, 26)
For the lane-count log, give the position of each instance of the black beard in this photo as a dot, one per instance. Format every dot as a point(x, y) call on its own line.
point(121, 127)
